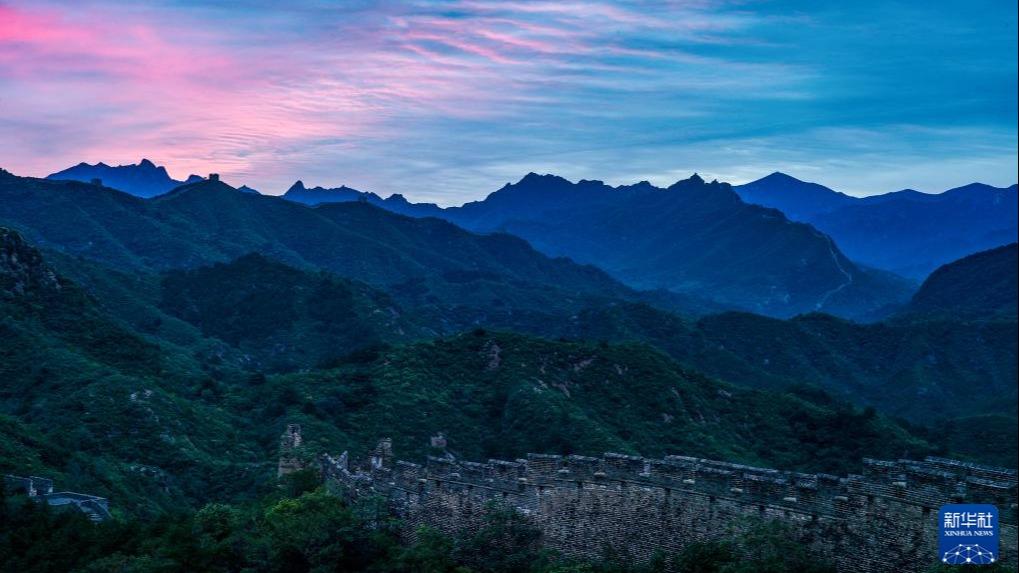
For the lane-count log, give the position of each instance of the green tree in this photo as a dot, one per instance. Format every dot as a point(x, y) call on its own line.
point(506, 543)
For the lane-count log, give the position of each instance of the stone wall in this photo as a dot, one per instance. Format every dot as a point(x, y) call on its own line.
point(880, 520)
point(41, 490)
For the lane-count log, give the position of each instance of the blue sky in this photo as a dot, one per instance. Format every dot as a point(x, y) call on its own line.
point(446, 101)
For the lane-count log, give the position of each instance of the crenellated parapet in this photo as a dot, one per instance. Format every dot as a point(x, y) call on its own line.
point(642, 505)
point(929, 483)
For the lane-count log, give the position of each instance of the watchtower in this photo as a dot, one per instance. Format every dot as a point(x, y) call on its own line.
point(382, 455)
point(290, 443)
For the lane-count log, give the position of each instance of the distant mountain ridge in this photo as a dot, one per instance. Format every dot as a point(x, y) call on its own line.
point(694, 237)
point(799, 200)
point(906, 232)
point(461, 275)
point(396, 203)
point(318, 195)
point(702, 243)
point(144, 179)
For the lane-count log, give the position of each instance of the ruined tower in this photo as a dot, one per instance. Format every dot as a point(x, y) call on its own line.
point(290, 443)
point(382, 455)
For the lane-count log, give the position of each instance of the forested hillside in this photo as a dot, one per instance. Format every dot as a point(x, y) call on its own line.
point(154, 425)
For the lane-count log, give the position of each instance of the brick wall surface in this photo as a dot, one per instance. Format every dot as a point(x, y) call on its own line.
point(884, 519)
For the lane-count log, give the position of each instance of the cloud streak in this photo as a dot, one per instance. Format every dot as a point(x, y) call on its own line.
point(442, 100)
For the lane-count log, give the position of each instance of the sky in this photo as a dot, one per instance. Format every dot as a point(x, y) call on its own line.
point(445, 101)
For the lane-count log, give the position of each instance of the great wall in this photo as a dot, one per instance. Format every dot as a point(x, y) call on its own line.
point(40, 490)
point(884, 519)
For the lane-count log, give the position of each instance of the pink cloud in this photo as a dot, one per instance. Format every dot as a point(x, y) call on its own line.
point(246, 94)
point(166, 90)
point(41, 42)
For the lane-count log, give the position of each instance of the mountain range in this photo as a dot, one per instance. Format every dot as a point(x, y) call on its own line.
point(460, 276)
point(396, 203)
point(906, 232)
point(258, 313)
point(152, 348)
point(144, 179)
point(318, 195)
point(186, 256)
point(695, 238)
